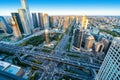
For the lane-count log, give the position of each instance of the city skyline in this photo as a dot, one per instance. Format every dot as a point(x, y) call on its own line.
point(59, 40)
point(61, 7)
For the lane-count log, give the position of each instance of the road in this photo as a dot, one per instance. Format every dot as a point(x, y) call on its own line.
point(57, 57)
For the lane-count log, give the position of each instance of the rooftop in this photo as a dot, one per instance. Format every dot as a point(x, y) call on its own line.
point(13, 69)
point(4, 65)
point(7, 67)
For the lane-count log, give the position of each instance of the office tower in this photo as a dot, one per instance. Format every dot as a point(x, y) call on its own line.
point(2, 27)
point(64, 25)
point(5, 26)
point(46, 20)
point(47, 36)
point(67, 19)
point(40, 18)
point(18, 21)
point(59, 25)
point(99, 46)
point(77, 20)
point(35, 21)
point(77, 38)
point(25, 6)
point(106, 43)
point(24, 20)
point(89, 42)
point(16, 29)
point(84, 22)
point(110, 69)
point(51, 21)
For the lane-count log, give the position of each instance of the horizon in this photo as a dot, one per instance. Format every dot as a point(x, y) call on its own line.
point(64, 7)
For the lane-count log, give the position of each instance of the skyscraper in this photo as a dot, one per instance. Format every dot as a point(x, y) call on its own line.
point(18, 21)
point(51, 21)
point(84, 22)
point(40, 19)
point(110, 69)
point(99, 46)
point(35, 21)
point(25, 22)
point(47, 37)
point(89, 42)
point(77, 39)
point(25, 6)
point(5, 26)
point(46, 20)
point(16, 29)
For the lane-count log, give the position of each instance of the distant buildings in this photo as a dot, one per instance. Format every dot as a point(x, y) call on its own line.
point(84, 22)
point(35, 21)
point(110, 69)
point(82, 38)
point(25, 22)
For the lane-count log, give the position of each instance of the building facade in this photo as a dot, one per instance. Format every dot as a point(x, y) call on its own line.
point(77, 38)
point(25, 6)
point(3, 24)
point(16, 29)
point(46, 21)
point(18, 21)
point(110, 69)
point(99, 46)
point(40, 20)
point(35, 20)
point(84, 22)
point(25, 22)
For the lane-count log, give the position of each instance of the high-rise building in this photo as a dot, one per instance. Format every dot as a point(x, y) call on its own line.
point(24, 20)
point(83, 40)
point(77, 20)
point(4, 25)
point(110, 69)
point(84, 22)
point(89, 42)
point(106, 43)
point(35, 21)
point(51, 21)
point(46, 20)
point(25, 6)
point(77, 39)
point(40, 19)
point(18, 21)
point(16, 29)
point(47, 37)
point(99, 46)
point(65, 25)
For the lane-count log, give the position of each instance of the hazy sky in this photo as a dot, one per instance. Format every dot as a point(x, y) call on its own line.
point(64, 7)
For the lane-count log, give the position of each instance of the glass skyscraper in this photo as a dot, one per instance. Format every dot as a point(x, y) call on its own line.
point(110, 69)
